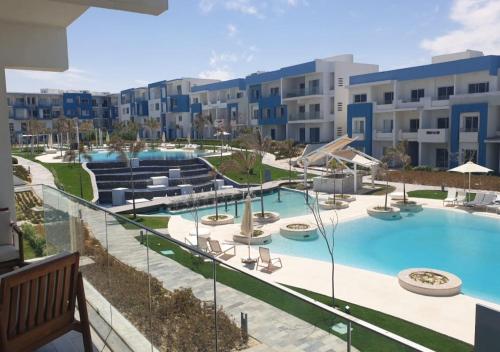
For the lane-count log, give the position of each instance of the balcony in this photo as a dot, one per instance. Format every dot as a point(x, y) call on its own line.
point(147, 291)
point(305, 116)
point(303, 92)
point(408, 135)
point(468, 135)
point(360, 135)
point(384, 135)
point(433, 135)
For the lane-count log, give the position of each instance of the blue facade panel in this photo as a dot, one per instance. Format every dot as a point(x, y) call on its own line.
point(178, 103)
point(456, 110)
point(489, 63)
point(196, 108)
point(361, 110)
point(232, 83)
point(77, 105)
point(273, 103)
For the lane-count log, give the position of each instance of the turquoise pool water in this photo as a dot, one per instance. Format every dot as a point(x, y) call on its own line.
point(291, 204)
point(464, 244)
point(104, 156)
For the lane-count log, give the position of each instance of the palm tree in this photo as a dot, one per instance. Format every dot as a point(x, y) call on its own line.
point(152, 125)
point(86, 128)
point(120, 147)
point(35, 127)
point(398, 157)
point(242, 162)
point(260, 145)
point(62, 126)
point(288, 149)
point(199, 125)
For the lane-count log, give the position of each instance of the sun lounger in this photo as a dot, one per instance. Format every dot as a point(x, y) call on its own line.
point(451, 197)
point(461, 197)
point(218, 249)
point(201, 242)
point(477, 200)
point(266, 261)
point(488, 199)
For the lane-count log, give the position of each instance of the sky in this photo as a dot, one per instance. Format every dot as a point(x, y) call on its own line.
point(223, 39)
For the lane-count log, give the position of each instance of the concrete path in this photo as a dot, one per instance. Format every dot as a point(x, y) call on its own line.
point(40, 175)
point(275, 329)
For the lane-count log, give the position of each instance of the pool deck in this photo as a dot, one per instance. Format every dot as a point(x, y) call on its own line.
point(453, 316)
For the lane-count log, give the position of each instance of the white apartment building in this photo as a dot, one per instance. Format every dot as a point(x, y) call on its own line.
point(447, 111)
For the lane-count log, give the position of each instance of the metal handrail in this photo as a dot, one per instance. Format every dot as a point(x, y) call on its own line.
point(349, 318)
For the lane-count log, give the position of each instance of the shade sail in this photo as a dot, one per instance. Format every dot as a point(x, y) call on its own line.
point(327, 150)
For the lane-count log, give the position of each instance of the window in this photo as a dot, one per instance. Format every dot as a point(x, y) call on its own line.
point(443, 122)
point(340, 82)
point(471, 123)
point(441, 157)
point(314, 87)
point(358, 126)
point(69, 100)
point(239, 95)
point(302, 134)
point(387, 125)
point(314, 135)
point(469, 155)
point(479, 87)
point(179, 118)
point(24, 127)
point(255, 114)
point(414, 125)
point(94, 102)
point(388, 97)
point(281, 111)
point(195, 100)
point(268, 113)
point(445, 92)
point(416, 94)
point(339, 106)
point(11, 127)
point(332, 105)
point(360, 98)
point(332, 81)
point(179, 89)
point(275, 91)
point(157, 106)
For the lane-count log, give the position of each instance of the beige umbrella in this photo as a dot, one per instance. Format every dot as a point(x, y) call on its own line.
point(138, 138)
point(469, 168)
point(247, 225)
point(163, 137)
point(50, 143)
point(107, 137)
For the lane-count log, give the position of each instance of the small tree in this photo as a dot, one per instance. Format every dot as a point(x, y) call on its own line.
point(120, 147)
point(398, 157)
point(242, 162)
point(62, 127)
point(152, 125)
point(82, 152)
point(86, 128)
point(328, 236)
point(261, 145)
point(288, 149)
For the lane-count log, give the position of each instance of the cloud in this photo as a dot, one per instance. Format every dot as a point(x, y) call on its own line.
point(232, 30)
point(206, 5)
point(73, 78)
point(221, 73)
point(479, 28)
point(255, 8)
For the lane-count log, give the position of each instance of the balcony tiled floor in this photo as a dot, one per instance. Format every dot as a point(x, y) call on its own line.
point(72, 342)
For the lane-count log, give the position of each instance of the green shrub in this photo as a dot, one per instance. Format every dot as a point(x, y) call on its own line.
point(14, 161)
point(36, 242)
point(422, 168)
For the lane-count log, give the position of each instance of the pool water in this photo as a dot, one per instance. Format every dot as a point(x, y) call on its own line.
point(104, 156)
point(464, 244)
point(288, 204)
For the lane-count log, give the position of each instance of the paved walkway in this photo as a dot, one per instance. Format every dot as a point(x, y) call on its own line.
point(275, 329)
point(40, 175)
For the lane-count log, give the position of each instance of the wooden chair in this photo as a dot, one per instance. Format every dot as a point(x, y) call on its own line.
point(37, 304)
point(11, 254)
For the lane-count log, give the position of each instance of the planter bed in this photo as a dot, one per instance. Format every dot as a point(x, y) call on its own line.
point(269, 217)
point(223, 219)
point(299, 231)
point(380, 213)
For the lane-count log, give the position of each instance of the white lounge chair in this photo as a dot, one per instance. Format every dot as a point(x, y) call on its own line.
point(218, 249)
point(451, 197)
point(201, 243)
point(476, 201)
point(266, 260)
point(461, 197)
point(488, 199)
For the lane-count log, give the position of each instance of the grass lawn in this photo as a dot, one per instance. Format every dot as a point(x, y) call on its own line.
point(28, 251)
point(361, 338)
point(276, 174)
point(433, 194)
point(154, 222)
point(67, 178)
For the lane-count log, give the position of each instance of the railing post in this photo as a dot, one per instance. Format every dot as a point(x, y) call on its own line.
point(279, 194)
point(235, 208)
point(349, 326)
point(215, 305)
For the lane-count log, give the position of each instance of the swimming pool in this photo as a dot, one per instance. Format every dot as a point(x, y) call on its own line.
point(289, 204)
point(104, 156)
point(464, 244)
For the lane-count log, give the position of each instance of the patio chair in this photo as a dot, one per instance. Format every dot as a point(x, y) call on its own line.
point(451, 197)
point(11, 253)
point(461, 197)
point(202, 242)
point(218, 249)
point(477, 200)
point(37, 304)
point(488, 199)
point(266, 260)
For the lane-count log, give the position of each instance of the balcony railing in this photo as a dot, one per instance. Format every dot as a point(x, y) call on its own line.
point(152, 292)
point(433, 135)
point(304, 92)
point(312, 115)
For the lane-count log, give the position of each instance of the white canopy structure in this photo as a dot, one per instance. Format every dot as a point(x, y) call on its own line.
point(339, 150)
